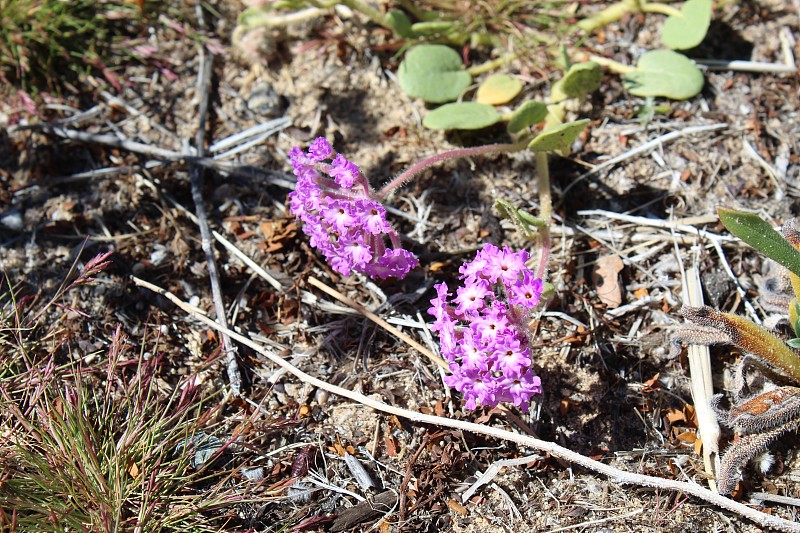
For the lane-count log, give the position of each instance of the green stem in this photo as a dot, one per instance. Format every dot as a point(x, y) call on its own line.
point(444, 156)
point(608, 15)
point(613, 66)
point(491, 65)
point(662, 9)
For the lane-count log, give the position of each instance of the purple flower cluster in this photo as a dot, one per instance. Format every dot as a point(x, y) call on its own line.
point(335, 203)
point(481, 336)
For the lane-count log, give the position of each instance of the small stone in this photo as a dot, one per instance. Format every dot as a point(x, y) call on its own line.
point(12, 220)
point(265, 101)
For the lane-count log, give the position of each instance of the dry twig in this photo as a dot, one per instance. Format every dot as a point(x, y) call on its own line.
point(196, 176)
point(615, 474)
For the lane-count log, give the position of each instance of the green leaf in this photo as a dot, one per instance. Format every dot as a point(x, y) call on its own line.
point(664, 73)
point(498, 89)
point(794, 343)
point(688, 30)
point(433, 27)
point(558, 138)
point(434, 73)
point(462, 116)
point(580, 80)
point(759, 234)
point(528, 114)
point(400, 23)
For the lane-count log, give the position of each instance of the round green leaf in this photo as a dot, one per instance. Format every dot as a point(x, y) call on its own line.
point(582, 79)
point(434, 73)
point(559, 138)
point(498, 89)
point(664, 73)
point(688, 30)
point(461, 116)
point(528, 114)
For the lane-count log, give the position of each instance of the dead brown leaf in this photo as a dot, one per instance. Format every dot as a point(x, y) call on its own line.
point(606, 280)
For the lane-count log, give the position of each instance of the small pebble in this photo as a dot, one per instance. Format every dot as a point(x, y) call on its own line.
point(321, 396)
point(12, 220)
point(265, 101)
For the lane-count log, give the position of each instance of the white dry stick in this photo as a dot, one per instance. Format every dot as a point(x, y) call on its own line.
point(269, 127)
point(196, 180)
point(747, 66)
point(244, 258)
point(616, 475)
point(663, 224)
point(584, 525)
point(702, 388)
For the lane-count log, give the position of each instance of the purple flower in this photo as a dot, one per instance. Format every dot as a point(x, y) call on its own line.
point(526, 292)
point(481, 336)
point(340, 216)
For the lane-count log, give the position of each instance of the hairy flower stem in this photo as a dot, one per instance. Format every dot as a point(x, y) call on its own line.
point(444, 156)
point(545, 211)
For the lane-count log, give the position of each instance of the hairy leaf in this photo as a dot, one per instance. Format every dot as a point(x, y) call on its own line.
point(400, 23)
point(748, 336)
point(432, 27)
point(526, 223)
point(580, 80)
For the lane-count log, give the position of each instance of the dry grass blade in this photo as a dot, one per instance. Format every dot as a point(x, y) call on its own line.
point(702, 389)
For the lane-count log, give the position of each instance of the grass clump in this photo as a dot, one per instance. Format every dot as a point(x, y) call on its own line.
point(47, 45)
point(95, 448)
